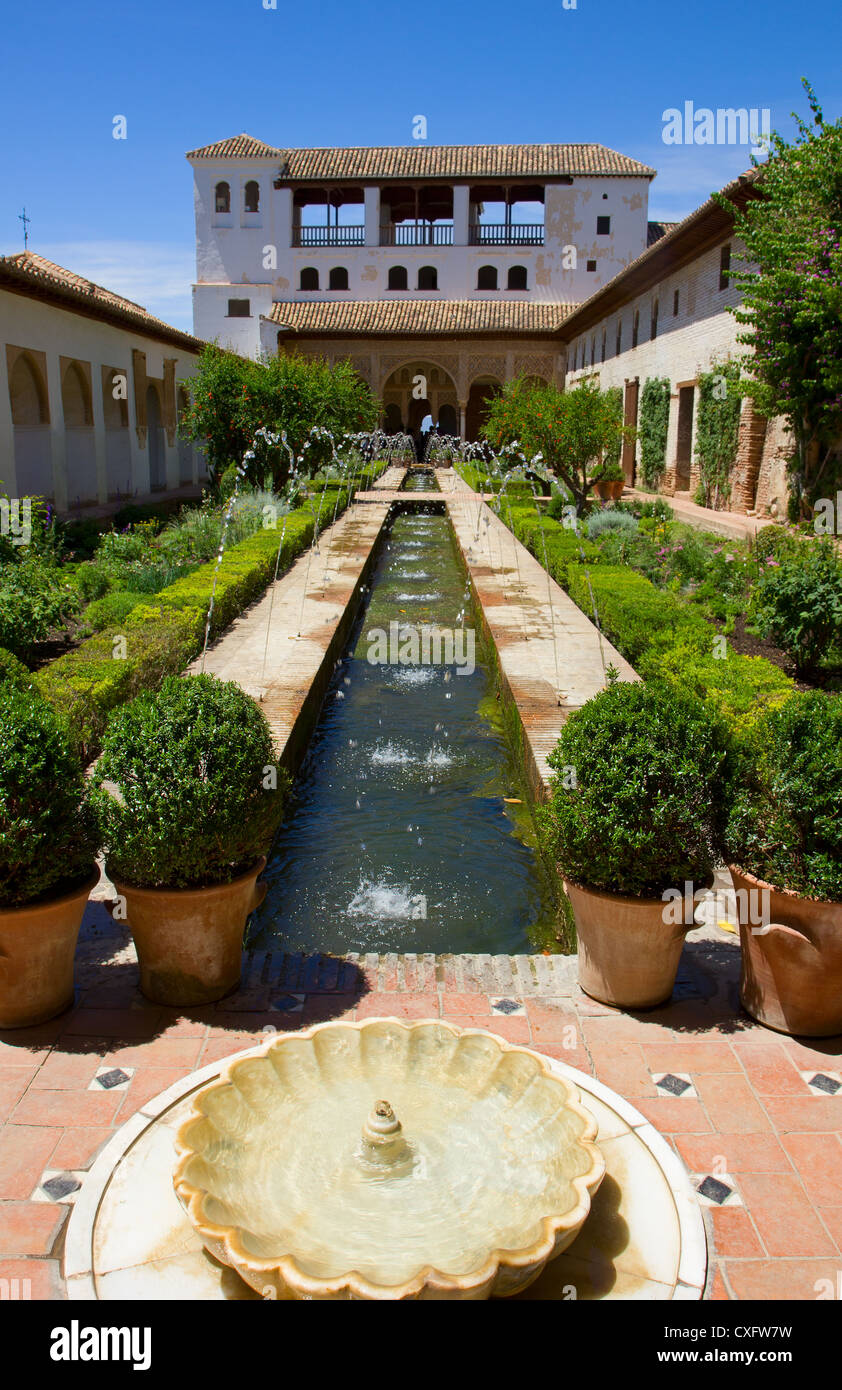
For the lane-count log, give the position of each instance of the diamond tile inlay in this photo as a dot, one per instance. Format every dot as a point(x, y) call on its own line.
point(110, 1079)
point(673, 1084)
point(714, 1190)
point(506, 1006)
point(61, 1186)
point(820, 1082)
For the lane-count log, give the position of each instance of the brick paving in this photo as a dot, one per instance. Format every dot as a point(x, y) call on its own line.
point(748, 1118)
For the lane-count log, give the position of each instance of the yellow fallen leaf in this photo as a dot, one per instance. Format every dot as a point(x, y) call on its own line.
point(513, 800)
point(726, 926)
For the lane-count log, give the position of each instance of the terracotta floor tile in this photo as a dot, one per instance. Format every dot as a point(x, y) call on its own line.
point(29, 1228)
point(732, 1153)
point(770, 1070)
point(674, 1116)
point(832, 1218)
point(787, 1280)
point(731, 1104)
point(18, 1055)
point(612, 1028)
point(61, 1109)
point(398, 1006)
point(818, 1158)
point(157, 1052)
point(819, 1113)
point(24, 1154)
point(621, 1066)
point(784, 1217)
point(734, 1234)
point(114, 1023)
point(697, 1056)
point(146, 1083)
point(216, 1049)
point(70, 1071)
point(822, 1053)
point(187, 1026)
point(719, 1293)
point(44, 1277)
point(77, 1148)
point(257, 1024)
point(514, 1030)
point(11, 1089)
point(464, 1004)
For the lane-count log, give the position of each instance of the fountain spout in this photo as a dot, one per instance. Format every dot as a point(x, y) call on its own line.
point(384, 1147)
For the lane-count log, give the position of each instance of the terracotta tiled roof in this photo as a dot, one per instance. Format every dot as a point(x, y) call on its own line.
point(399, 317)
point(238, 147)
point(431, 161)
point(27, 271)
point(655, 230)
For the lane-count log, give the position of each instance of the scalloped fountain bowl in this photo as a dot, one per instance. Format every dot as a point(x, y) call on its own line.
point(386, 1160)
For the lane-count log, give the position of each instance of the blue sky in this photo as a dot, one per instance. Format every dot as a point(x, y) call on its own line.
point(186, 73)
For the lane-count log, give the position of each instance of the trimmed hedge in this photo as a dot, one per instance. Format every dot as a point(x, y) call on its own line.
point(743, 690)
point(563, 546)
point(160, 637)
point(636, 616)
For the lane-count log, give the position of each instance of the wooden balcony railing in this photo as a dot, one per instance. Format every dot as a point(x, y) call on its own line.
point(503, 234)
point(328, 236)
point(417, 234)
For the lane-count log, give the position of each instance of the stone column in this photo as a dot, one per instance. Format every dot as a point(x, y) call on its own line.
point(463, 406)
point(8, 480)
point(57, 448)
point(372, 216)
point(461, 193)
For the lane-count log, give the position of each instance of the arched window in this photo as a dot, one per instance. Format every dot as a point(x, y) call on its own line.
point(517, 278)
point(487, 277)
point(252, 196)
point(223, 197)
point(428, 278)
point(309, 278)
point(397, 278)
point(76, 398)
point(28, 394)
point(338, 278)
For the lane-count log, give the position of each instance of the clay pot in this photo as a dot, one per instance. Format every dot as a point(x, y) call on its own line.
point(190, 940)
point(791, 977)
point(37, 948)
point(628, 953)
point(609, 491)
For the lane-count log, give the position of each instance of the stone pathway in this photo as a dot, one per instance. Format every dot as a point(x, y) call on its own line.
point(735, 525)
point(756, 1117)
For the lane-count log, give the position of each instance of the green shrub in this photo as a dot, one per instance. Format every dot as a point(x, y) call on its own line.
point(717, 433)
point(797, 602)
point(652, 774)
point(180, 792)
point(741, 690)
point(607, 471)
point(110, 610)
point(91, 581)
point(35, 600)
point(164, 633)
point(610, 519)
point(635, 615)
point(13, 672)
point(785, 825)
point(47, 835)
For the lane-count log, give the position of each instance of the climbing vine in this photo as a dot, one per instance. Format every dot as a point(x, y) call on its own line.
point(652, 429)
point(717, 433)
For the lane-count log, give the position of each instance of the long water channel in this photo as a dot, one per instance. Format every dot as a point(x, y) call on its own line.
point(406, 828)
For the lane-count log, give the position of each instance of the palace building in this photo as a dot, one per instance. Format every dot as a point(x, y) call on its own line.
point(457, 263)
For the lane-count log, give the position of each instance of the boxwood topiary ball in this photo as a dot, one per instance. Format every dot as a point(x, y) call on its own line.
point(47, 834)
point(187, 791)
point(642, 792)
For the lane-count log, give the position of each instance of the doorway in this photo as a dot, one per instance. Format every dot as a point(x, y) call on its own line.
point(155, 436)
point(684, 445)
point(630, 418)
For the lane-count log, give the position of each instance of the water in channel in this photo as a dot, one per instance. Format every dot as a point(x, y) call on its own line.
point(397, 836)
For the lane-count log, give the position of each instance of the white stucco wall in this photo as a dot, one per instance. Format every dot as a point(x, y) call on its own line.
point(241, 255)
point(88, 464)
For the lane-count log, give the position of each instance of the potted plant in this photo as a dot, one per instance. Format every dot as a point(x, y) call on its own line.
point(636, 809)
point(784, 843)
point(47, 859)
point(188, 798)
point(608, 480)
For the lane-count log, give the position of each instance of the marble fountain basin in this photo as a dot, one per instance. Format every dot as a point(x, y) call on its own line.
point(388, 1160)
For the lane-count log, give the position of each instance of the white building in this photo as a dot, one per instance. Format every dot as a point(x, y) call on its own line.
point(458, 262)
point(91, 386)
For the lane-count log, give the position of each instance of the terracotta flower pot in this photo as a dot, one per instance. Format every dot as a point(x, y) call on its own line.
point(628, 953)
point(189, 940)
point(791, 976)
point(37, 949)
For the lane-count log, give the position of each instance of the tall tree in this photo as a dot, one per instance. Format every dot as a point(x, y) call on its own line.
point(790, 280)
